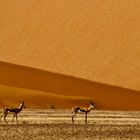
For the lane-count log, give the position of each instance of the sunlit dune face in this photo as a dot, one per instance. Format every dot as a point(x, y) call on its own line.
point(96, 40)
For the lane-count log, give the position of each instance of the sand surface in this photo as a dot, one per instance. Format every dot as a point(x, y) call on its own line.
point(92, 39)
point(43, 89)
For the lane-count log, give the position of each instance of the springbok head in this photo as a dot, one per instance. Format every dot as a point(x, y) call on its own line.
point(92, 104)
point(22, 103)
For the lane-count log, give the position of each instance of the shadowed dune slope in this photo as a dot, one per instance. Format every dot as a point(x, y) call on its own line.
point(41, 88)
point(36, 99)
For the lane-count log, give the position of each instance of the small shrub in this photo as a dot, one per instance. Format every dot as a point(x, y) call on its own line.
point(51, 107)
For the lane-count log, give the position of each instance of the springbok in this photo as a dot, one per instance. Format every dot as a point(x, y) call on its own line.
point(85, 110)
point(15, 111)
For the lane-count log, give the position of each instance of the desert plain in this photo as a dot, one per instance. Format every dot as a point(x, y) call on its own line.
point(56, 124)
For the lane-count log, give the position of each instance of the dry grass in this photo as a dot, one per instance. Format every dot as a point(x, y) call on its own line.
point(56, 124)
point(67, 131)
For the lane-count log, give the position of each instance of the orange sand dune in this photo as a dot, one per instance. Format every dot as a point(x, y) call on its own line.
point(96, 40)
point(61, 89)
point(36, 99)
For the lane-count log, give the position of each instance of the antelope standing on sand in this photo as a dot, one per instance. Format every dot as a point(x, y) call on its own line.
point(15, 111)
point(85, 110)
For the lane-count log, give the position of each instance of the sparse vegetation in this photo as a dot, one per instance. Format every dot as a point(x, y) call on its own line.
point(56, 124)
point(63, 131)
point(51, 107)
